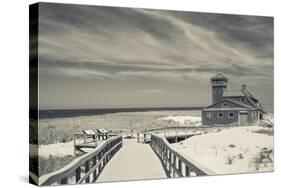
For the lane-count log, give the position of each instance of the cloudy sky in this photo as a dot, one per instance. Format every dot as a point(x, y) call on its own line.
point(105, 57)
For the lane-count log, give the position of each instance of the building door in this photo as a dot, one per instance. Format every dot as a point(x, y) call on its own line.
point(243, 117)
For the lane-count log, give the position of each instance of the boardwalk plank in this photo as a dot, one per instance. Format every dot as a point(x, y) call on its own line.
point(134, 161)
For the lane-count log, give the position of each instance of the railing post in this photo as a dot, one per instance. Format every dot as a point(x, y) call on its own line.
point(99, 158)
point(87, 168)
point(159, 147)
point(164, 155)
point(95, 171)
point(108, 155)
point(77, 174)
point(166, 158)
point(164, 149)
point(64, 180)
point(180, 166)
point(170, 162)
point(187, 171)
point(175, 165)
point(104, 159)
point(85, 139)
point(111, 153)
point(161, 150)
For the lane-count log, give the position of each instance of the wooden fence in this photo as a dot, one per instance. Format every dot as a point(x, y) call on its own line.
point(174, 163)
point(203, 127)
point(84, 169)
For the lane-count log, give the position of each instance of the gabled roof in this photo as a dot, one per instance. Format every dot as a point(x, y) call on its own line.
point(244, 93)
point(239, 104)
point(247, 93)
point(254, 102)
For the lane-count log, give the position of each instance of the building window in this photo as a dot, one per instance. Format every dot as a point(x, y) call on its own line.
point(225, 105)
point(242, 100)
point(209, 115)
point(230, 115)
point(220, 115)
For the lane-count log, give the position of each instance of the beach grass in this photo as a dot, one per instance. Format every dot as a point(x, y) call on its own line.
point(60, 130)
point(50, 164)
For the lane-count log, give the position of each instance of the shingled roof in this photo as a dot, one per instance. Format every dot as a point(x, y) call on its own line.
point(240, 104)
point(254, 102)
point(244, 93)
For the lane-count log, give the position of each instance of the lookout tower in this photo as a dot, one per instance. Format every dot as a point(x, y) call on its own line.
point(219, 84)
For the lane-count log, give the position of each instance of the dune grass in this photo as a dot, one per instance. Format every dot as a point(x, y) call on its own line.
point(57, 130)
point(50, 164)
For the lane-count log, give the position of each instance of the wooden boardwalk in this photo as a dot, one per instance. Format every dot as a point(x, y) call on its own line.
point(134, 161)
point(119, 159)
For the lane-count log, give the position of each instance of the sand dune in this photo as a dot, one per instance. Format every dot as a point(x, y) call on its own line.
point(234, 150)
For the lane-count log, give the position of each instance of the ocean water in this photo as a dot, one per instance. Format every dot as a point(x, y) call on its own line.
point(47, 114)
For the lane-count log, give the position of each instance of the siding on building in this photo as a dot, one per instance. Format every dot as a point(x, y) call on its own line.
point(214, 119)
point(253, 116)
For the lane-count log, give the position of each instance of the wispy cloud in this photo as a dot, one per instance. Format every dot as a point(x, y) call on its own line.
point(152, 91)
point(107, 43)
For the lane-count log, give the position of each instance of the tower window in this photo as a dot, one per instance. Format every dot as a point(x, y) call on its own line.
point(230, 115)
point(220, 115)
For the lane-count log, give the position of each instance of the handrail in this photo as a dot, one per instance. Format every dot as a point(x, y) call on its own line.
point(176, 164)
point(193, 127)
point(93, 162)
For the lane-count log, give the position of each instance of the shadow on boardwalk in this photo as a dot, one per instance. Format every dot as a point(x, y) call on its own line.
point(134, 161)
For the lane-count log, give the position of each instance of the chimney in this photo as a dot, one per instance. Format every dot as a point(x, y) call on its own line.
point(243, 86)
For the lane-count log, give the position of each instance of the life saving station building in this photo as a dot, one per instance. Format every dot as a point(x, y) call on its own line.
point(238, 107)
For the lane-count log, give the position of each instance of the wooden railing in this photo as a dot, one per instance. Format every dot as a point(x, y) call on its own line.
point(84, 169)
point(202, 127)
point(175, 164)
